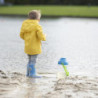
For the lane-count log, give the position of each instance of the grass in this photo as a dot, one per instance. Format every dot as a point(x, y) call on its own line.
point(81, 11)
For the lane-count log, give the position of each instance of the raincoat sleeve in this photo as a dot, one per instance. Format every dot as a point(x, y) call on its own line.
point(22, 32)
point(40, 34)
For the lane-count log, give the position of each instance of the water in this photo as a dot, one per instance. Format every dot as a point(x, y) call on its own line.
point(73, 38)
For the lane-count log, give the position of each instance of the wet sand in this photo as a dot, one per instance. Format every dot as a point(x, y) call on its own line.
point(75, 87)
point(19, 86)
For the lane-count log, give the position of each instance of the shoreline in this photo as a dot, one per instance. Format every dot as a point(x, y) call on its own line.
point(45, 16)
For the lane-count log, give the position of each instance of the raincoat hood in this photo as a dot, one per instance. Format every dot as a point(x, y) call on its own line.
point(28, 24)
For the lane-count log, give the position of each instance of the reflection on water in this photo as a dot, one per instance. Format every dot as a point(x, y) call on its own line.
point(16, 85)
point(75, 39)
point(32, 90)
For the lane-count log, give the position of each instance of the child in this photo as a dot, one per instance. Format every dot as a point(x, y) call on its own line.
point(32, 34)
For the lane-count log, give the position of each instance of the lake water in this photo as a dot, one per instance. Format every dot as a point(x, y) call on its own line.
point(76, 39)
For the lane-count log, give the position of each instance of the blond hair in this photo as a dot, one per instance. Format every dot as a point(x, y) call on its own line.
point(34, 14)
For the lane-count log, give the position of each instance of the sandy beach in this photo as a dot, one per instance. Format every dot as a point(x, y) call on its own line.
point(72, 38)
point(19, 86)
point(75, 87)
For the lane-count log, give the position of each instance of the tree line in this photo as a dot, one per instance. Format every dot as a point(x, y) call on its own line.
point(53, 2)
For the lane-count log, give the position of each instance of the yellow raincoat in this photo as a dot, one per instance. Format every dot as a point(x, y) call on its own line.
point(31, 32)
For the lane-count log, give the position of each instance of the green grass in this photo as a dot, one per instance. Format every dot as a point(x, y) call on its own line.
point(82, 11)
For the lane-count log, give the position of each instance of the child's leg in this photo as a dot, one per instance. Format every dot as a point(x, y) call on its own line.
point(28, 65)
point(31, 69)
point(33, 59)
point(32, 65)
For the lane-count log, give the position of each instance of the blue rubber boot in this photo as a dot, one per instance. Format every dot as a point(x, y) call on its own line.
point(31, 71)
point(27, 71)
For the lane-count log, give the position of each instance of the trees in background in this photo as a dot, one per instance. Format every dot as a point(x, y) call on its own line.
point(2, 2)
point(53, 2)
